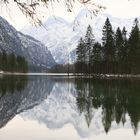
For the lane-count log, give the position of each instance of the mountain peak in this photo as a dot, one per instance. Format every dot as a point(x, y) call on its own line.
point(53, 20)
point(16, 42)
point(62, 40)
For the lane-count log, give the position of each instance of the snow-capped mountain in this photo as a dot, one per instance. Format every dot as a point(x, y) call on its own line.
point(61, 37)
point(58, 35)
point(33, 50)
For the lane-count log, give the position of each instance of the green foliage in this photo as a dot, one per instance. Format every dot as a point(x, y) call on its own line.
point(108, 41)
point(11, 84)
point(117, 54)
point(80, 57)
point(84, 52)
point(134, 48)
point(12, 63)
point(89, 41)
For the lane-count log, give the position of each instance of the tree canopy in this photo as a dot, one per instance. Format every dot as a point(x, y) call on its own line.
point(117, 54)
point(12, 63)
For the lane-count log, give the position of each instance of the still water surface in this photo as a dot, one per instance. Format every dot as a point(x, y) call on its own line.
point(58, 108)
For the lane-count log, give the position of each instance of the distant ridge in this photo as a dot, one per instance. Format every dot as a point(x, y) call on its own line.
point(61, 37)
point(16, 42)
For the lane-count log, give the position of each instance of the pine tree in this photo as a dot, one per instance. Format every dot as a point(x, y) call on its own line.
point(11, 62)
point(134, 48)
point(4, 61)
point(124, 55)
point(80, 56)
point(21, 64)
point(89, 43)
point(117, 54)
point(118, 44)
point(119, 49)
point(108, 45)
point(96, 57)
point(0, 61)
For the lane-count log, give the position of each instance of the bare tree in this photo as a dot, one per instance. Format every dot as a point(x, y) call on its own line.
point(29, 7)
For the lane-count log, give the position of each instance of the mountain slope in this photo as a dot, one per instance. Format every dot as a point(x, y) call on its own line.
point(33, 50)
point(57, 35)
point(61, 37)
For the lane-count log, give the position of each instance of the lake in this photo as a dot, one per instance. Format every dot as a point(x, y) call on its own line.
point(61, 108)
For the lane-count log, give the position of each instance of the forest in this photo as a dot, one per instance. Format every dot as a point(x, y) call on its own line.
point(118, 53)
point(117, 98)
point(12, 63)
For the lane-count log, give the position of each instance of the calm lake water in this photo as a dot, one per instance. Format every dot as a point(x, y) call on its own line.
point(58, 108)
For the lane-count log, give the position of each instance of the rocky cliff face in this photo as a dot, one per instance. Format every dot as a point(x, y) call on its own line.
point(15, 42)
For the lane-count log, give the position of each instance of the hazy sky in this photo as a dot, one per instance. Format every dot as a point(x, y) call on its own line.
point(118, 8)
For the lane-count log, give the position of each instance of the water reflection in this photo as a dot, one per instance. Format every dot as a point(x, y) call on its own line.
point(117, 98)
point(92, 106)
point(20, 93)
point(11, 84)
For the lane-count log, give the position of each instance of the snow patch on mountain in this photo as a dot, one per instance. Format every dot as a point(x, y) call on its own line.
point(61, 37)
point(16, 42)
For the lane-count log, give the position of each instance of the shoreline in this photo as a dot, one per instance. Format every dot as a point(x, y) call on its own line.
point(100, 76)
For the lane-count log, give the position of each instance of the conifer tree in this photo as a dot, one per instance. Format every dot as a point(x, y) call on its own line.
point(119, 49)
point(0, 61)
point(22, 65)
point(108, 45)
point(4, 61)
point(118, 44)
point(96, 57)
point(89, 43)
point(124, 55)
point(11, 62)
point(80, 56)
point(134, 48)
point(117, 54)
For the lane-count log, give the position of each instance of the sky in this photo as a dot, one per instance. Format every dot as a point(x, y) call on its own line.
point(116, 8)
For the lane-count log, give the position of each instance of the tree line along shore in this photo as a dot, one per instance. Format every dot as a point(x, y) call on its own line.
point(119, 53)
point(12, 63)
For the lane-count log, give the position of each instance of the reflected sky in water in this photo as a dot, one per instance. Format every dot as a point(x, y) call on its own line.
point(56, 108)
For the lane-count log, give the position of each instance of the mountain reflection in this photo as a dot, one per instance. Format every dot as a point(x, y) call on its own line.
point(116, 98)
point(90, 105)
point(20, 93)
point(11, 84)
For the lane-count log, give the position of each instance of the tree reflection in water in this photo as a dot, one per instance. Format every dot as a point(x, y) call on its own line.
point(21, 93)
point(11, 83)
point(117, 98)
